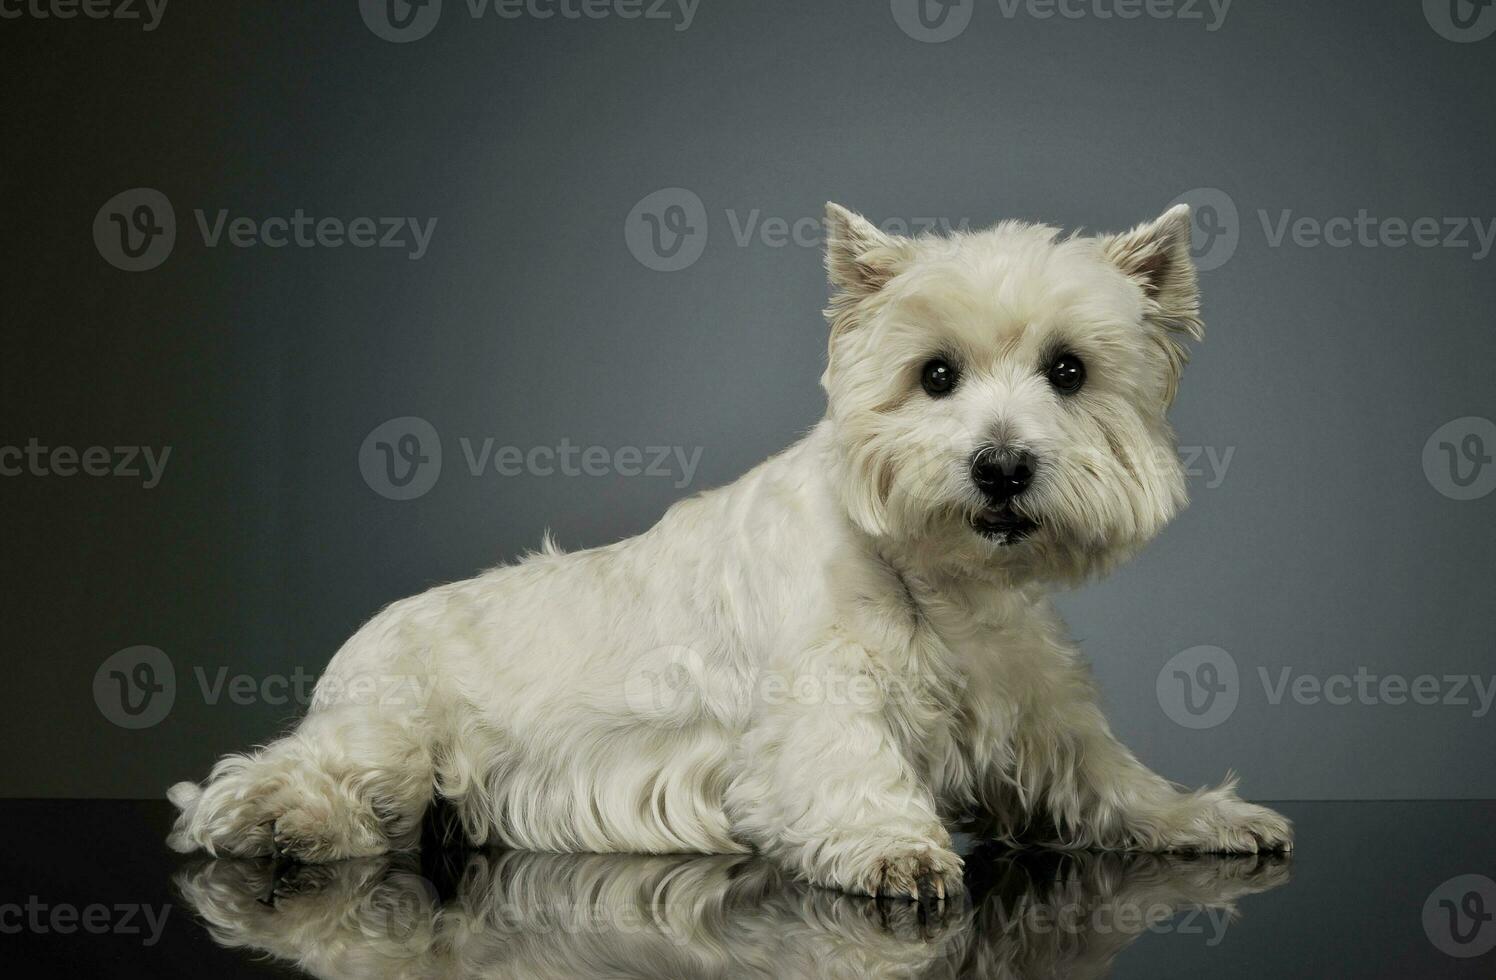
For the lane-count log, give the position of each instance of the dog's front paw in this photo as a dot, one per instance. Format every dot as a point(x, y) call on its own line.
point(1225, 824)
point(916, 871)
point(315, 838)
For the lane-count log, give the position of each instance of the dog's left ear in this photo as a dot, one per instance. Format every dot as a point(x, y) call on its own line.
point(860, 259)
point(1157, 257)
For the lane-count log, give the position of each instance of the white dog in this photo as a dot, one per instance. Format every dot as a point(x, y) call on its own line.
point(836, 656)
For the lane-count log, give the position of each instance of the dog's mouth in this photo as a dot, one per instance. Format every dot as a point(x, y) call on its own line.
point(1002, 525)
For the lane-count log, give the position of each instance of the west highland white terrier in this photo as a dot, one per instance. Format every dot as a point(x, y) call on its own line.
point(831, 660)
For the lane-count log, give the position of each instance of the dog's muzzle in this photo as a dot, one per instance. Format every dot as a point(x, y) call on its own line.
point(1002, 476)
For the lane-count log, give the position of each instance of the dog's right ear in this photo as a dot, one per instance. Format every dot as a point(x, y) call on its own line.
point(860, 259)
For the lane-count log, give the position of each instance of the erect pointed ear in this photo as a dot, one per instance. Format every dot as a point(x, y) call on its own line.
point(1157, 257)
point(860, 259)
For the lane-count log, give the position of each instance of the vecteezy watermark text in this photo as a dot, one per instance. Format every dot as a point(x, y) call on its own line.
point(412, 235)
point(1473, 691)
point(566, 459)
point(668, 230)
point(1121, 918)
point(1366, 230)
point(401, 459)
point(403, 21)
point(144, 463)
point(147, 12)
point(1202, 686)
point(1218, 229)
point(938, 21)
point(136, 230)
point(1212, 13)
point(65, 919)
point(137, 687)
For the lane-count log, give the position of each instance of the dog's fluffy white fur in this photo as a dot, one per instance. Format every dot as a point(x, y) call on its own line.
point(831, 659)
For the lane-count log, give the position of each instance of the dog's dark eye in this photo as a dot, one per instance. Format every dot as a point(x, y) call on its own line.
point(938, 378)
point(1067, 374)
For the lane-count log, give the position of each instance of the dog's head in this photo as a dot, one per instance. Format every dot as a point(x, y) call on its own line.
point(999, 397)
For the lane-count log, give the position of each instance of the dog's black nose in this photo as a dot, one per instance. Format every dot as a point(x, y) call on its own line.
point(1002, 474)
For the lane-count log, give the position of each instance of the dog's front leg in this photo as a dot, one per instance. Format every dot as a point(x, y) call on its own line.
point(826, 789)
point(1093, 792)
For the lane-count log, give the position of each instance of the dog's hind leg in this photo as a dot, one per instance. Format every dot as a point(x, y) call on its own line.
point(349, 782)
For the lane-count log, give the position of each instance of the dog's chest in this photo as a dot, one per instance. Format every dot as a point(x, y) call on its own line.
point(978, 662)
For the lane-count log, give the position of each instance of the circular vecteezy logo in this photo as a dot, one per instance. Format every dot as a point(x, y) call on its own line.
point(1462, 21)
point(667, 231)
point(666, 684)
point(136, 229)
point(400, 21)
point(1216, 226)
point(1459, 917)
point(933, 21)
point(402, 458)
point(1459, 459)
point(136, 687)
point(1199, 687)
point(402, 908)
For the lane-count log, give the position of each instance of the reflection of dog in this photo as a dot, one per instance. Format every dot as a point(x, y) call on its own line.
point(830, 658)
point(516, 914)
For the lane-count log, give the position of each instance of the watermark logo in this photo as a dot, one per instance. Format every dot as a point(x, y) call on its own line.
point(667, 230)
point(144, 463)
point(666, 684)
point(571, 460)
point(1366, 230)
point(301, 230)
point(1199, 687)
point(1458, 458)
point(1459, 916)
point(1218, 229)
point(672, 686)
point(147, 12)
point(937, 21)
point(933, 21)
point(1118, 917)
point(1474, 691)
point(402, 458)
point(404, 914)
point(942, 476)
point(1211, 13)
point(136, 229)
point(65, 919)
point(400, 21)
point(1216, 226)
point(1461, 21)
point(136, 687)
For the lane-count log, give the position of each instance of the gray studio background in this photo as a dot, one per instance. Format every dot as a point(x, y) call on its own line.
point(1330, 543)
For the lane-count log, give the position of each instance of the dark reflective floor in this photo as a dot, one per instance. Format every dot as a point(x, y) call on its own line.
point(1374, 890)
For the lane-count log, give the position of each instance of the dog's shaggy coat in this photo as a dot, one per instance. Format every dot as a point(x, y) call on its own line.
point(827, 661)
